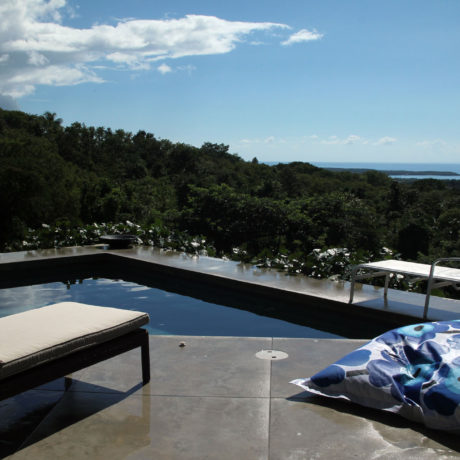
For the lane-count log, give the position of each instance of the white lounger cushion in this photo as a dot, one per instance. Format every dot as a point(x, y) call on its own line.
point(43, 334)
point(415, 269)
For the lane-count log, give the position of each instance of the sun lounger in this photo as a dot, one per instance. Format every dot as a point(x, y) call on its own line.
point(435, 275)
point(41, 345)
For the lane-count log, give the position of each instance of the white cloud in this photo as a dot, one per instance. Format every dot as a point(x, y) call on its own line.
point(432, 143)
point(269, 140)
point(386, 141)
point(331, 140)
point(186, 68)
point(37, 59)
point(351, 139)
point(355, 139)
point(24, 83)
point(8, 103)
point(36, 49)
point(164, 68)
point(303, 35)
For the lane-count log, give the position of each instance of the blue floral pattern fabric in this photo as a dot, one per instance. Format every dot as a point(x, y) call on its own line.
point(413, 371)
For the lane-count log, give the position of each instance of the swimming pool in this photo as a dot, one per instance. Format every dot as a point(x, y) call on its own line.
point(170, 312)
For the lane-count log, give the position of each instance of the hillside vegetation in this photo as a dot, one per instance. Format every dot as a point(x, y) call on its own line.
point(69, 178)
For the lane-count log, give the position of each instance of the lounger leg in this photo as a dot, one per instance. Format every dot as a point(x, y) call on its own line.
point(145, 357)
point(428, 289)
point(67, 382)
point(427, 303)
point(387, 283)
point(352, 287)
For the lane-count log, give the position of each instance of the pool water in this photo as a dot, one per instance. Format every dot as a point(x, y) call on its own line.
point(170, 313)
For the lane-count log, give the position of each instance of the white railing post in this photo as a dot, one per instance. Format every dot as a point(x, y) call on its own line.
point(431, 281)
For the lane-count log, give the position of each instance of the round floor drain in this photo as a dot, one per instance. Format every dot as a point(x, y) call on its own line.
point(272, 355)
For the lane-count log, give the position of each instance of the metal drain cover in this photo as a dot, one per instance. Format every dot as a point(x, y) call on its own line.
point(272, 355)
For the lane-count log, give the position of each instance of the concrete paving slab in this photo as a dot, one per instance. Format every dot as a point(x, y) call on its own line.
point(211, 399)
point(330, 429)
point(306, 357)
point(205, 366)
point(103, 426)
point(120, 374)
point(19, 417)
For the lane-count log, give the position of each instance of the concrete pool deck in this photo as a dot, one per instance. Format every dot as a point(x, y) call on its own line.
point(212, 399)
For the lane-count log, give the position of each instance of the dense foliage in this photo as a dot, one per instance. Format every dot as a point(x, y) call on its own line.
point(285, 215)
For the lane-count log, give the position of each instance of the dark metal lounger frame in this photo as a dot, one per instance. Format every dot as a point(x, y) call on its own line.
point(62, 367)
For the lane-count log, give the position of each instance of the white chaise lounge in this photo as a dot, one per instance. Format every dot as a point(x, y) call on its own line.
point(437, 276)
point(43, 344)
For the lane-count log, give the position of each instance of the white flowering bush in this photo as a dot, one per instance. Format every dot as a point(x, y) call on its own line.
point(332, 263)
point(64, 235)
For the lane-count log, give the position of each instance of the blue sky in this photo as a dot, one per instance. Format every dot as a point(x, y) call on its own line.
point(324, 80)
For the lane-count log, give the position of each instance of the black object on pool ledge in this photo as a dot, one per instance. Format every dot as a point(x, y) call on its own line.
point(118, 241)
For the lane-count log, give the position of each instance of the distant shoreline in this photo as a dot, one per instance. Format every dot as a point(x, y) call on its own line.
point(399, 171)
point(409, 171)
point(393, 172)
